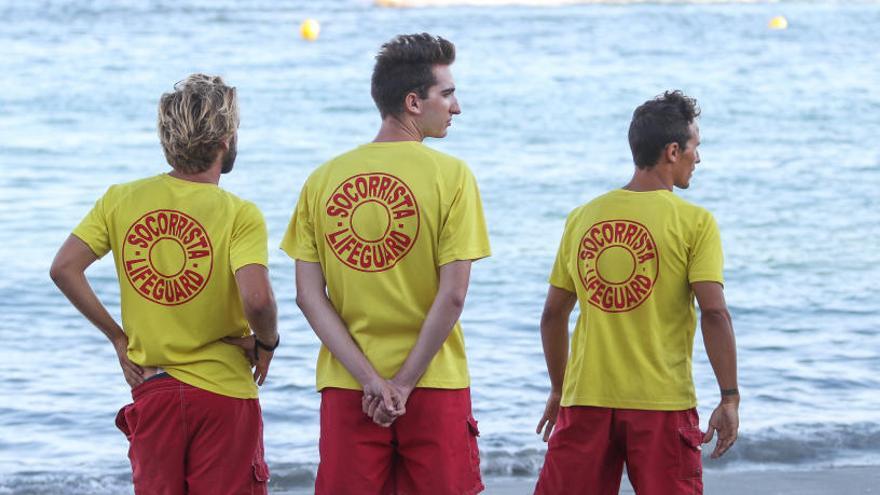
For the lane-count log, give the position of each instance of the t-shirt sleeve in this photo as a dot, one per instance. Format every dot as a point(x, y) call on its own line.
point(249, 244)
point(706, 263)
point(93, 229)
point(464, 235)
point(560, 276)
point(299, 241)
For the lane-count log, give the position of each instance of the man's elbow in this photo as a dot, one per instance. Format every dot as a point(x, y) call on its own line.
point(259, 303)
point(715, 314)
point(303, 300)
point(59, 272)
point(55, 273)
point(550, 318)
point(455, 299)
point(309, 299)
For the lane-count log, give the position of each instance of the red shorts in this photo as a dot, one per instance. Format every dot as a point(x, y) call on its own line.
point(187, 440)
point(590, 445)
point(430, 450)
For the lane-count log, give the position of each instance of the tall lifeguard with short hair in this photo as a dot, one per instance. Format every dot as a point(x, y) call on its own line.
point(383, 237)
point(197, 307)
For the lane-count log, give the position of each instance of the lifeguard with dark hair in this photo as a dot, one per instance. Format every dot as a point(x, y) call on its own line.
point(633, 260)
point(384, 237)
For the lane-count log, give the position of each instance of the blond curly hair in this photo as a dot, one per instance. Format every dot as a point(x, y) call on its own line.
point(195, 119)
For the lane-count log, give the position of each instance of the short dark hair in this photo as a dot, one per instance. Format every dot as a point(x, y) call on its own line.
point(658, 122)
point(404, 65)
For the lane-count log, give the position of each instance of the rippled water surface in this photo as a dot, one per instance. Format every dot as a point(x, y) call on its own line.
point(790, 169)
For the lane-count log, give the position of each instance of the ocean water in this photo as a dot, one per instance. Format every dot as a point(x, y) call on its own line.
point(791, 170)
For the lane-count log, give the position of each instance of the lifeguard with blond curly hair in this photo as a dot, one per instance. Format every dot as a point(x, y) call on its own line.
point(197, 307)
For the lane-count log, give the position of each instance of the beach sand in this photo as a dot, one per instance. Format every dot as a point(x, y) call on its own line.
point(835, 481)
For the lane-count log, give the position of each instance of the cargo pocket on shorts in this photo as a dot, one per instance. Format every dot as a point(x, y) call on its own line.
point(690, 452)
point(473, 433)
point(126, 421)
point(261, 477)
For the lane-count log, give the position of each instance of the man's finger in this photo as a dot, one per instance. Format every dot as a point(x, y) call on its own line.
point(541, 425)
point(133, 379)
point(264, 371)
point(383, 422)
point(128, 364)
point(726, 443)
point(387, 401)
point(548, 430)
point(239, 341)
point(371, 407)
point(719, 449)
point(132, 368)
point(710, 432)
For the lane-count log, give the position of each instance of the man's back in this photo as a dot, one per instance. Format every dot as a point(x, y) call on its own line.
point(192, 266)
point(634, 259)
point(177, 245)
point(631, 257)
point(380, 219)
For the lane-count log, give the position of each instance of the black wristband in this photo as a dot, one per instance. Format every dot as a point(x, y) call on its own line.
point(265, 347)
point(727, 392)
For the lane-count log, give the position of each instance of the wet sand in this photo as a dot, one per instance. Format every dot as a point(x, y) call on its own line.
point(833, 481)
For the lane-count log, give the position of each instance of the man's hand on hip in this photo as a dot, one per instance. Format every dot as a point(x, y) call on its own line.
point(133, 373)
point(258, 357)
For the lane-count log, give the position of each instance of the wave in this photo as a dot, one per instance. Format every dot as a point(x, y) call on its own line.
point(797, 446)
point(542, 3)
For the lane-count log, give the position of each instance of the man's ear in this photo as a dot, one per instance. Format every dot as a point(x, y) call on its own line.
point(224, 145)
point(412, 103)
point(672, 152)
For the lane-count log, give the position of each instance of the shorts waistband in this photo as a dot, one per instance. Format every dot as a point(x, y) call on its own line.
point(158, 383)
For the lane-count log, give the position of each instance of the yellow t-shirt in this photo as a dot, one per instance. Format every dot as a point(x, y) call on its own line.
point(381, 219)
point(631, 257)
point(177, 245)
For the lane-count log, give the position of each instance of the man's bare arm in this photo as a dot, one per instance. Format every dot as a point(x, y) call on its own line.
point(311, 297)
point(68, 273)
point(262, 316)
point(718, 337)
point(554, 336)
point(444, 313)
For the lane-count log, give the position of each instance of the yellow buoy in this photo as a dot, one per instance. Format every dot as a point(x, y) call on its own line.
point(310, 29)
point(778, 22)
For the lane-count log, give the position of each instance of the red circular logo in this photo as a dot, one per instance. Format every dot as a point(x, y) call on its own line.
point(167, 257)
point(618, 264)
point(373, 221)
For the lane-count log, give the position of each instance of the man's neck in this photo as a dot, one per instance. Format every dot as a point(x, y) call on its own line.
point(210, 176)
point(395, 128)
point(655, 178)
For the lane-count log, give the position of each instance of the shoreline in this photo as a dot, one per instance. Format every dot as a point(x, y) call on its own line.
point(855, 480)
point(821, 481)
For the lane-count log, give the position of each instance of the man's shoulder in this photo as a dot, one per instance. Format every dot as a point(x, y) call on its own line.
point(597, 201)
point(425, 158)
point(123, 192)
point(441, 157)
point(690, 208)
point(134, 185)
